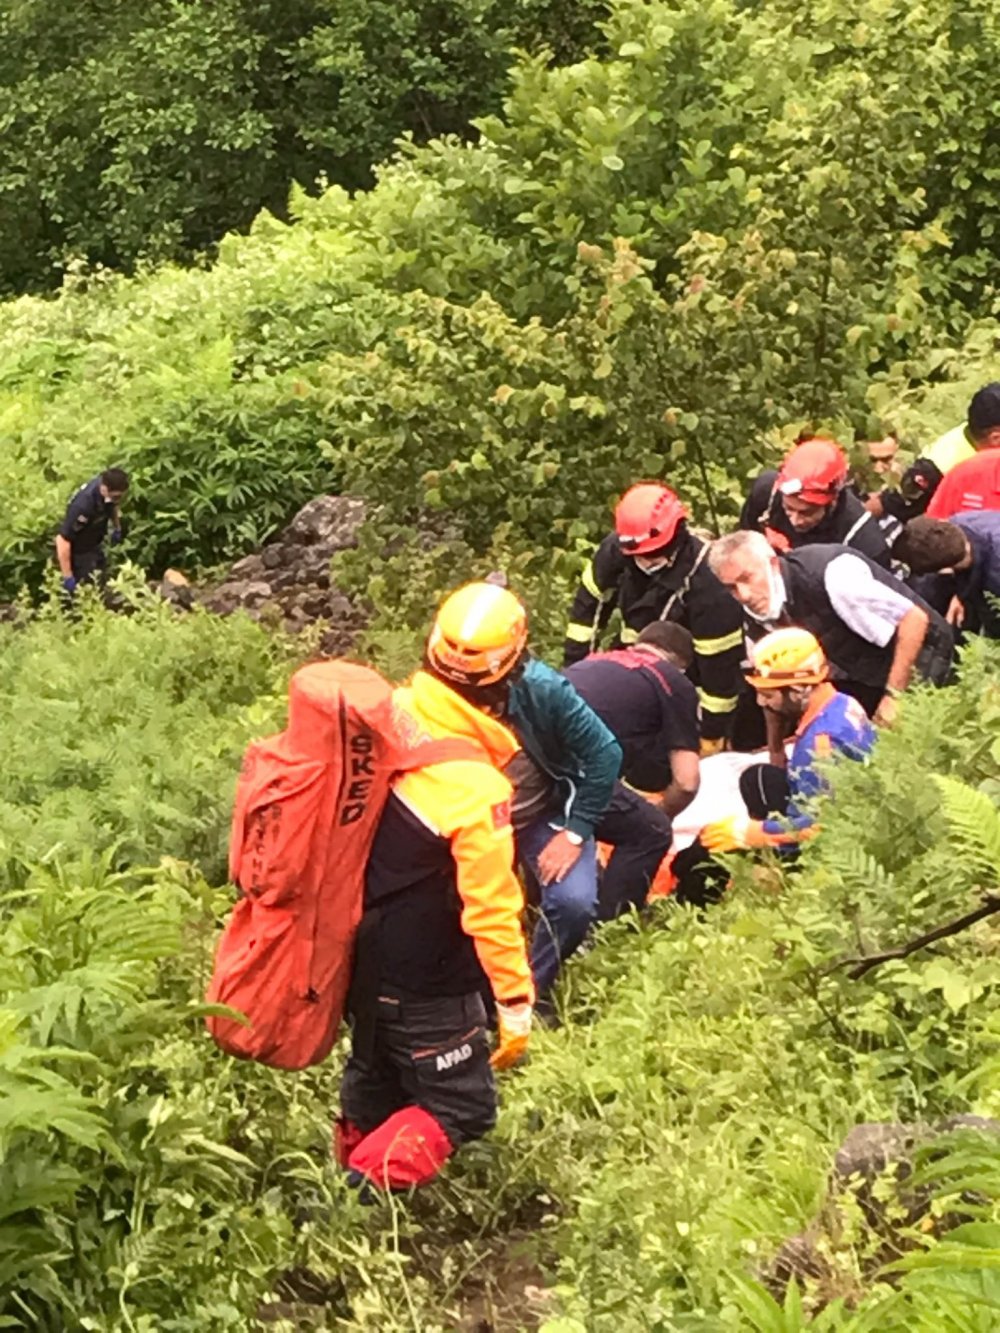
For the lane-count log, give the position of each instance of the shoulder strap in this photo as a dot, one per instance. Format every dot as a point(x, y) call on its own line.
point(440, 752)
point(682, 591)
point(855, 528)
point(634, 659)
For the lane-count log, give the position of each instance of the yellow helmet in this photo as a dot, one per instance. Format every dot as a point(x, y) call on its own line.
point(478, 635)
point(786, 657)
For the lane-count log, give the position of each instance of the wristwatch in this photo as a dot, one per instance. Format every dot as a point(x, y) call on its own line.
point(575, 838)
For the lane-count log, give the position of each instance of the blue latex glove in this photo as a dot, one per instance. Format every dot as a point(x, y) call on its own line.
point(116, 536)
point(69, 583)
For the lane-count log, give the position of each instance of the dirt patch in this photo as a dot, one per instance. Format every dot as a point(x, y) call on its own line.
point(507, 1293)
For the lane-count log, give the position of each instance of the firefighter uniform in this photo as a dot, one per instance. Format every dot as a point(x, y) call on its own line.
point(847, 522)
point(685, 591)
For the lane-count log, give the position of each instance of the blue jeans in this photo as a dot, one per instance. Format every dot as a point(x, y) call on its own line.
point(569, 906)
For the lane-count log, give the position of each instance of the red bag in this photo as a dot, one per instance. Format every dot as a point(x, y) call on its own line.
point(308, 803)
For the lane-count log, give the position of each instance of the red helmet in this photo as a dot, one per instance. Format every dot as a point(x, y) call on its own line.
point(815, 471)
point(647, 518)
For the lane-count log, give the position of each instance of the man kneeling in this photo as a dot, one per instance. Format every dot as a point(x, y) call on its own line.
point(788, 670)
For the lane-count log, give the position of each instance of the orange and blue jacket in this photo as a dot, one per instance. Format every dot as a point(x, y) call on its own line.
point(833, 724)
point(441, 871)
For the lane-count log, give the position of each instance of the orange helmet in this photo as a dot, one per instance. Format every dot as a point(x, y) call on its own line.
point(647, 518)
point(815, 471)
point(478, 635)
point(786, 657)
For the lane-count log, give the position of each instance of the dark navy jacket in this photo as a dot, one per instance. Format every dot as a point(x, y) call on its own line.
point(87, 517)
point(847, 522)
point(647, 703)
point(977, 585)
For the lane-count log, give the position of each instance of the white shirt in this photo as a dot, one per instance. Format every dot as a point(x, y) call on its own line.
point(865, 605)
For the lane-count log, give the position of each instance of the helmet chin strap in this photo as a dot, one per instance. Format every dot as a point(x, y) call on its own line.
point(657, 560)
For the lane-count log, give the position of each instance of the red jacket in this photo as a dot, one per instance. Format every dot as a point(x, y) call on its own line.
point(974, 484)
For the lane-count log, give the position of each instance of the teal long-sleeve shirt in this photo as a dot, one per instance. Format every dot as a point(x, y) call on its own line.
point(566, 738)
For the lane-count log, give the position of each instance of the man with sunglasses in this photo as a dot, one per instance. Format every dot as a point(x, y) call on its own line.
point(653, 567)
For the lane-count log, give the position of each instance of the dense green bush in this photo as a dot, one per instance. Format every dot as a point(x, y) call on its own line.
point(147, 131)
point(665, 261)
point(700, 1098)
point(650, 1158)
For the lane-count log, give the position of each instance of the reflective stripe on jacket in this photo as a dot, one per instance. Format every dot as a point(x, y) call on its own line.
point(468, 803)
point(713, 617)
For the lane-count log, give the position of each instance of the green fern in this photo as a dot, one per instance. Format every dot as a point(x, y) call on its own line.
point(974, 823)
point(35, 1099)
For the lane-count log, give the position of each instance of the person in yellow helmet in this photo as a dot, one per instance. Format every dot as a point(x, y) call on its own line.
point(442, 906)
point(789, 672)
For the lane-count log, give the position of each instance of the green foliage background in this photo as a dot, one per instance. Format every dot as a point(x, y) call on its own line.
point(649, 1160)
point(663, 260)
point(137, 132)
point(643, 268)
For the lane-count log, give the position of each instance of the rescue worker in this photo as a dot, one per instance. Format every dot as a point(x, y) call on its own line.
point(877, 633)
point(882, 457)
point(80, 541)
point(922, 480)
point(652, 567)
point(975, 483)
point(563, 779)
point(566, 798)
point(808, 501)
point(442, 906)
point(644, 697)
point(965, 553)
point(789, 671)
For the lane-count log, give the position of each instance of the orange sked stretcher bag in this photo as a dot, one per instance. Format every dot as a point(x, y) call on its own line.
point(308, 803)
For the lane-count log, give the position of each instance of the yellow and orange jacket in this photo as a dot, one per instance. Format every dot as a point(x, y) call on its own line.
point(441, 871)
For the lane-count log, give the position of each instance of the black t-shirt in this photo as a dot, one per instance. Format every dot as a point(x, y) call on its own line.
point(649, 705)
point(87, 517)
point(535, 792)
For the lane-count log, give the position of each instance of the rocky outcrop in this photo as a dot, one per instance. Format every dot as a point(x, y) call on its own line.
point(287, 583)
point(871, 1173)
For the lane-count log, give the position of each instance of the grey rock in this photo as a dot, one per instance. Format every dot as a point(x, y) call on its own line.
point(247, 568)
point(337, 607)
point(870, 1148)
point(980, 1122)
point(798, 1258)
point(312, 561)
point(254, 591)
point(220, 603)
point(333, 521)
point(288, 582)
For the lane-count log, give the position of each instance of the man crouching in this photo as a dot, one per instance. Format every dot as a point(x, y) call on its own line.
point(789, 671)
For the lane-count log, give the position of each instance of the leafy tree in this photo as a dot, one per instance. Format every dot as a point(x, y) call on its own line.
point(148, 130)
